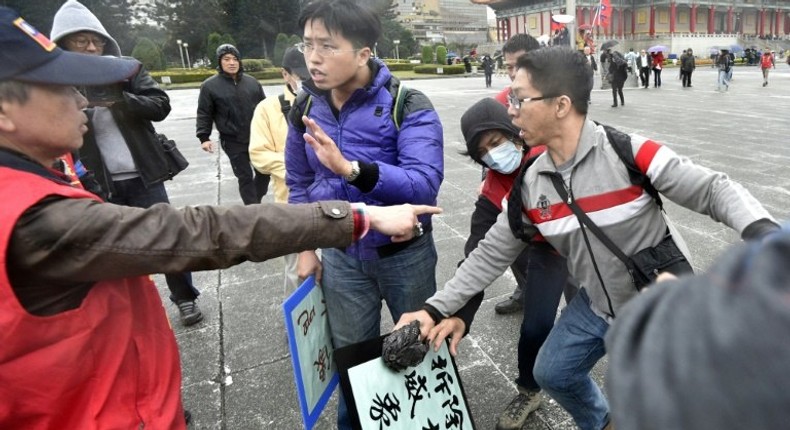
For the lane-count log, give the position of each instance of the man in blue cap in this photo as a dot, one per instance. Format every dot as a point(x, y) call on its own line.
point(85, 340)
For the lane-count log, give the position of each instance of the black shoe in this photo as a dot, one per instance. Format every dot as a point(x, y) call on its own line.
point(507, 306)
point(614, 105)
point(190, 312)
point(622, 102)
point(187, 416)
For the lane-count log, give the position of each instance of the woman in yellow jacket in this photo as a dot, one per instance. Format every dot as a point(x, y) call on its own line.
point(268, 131)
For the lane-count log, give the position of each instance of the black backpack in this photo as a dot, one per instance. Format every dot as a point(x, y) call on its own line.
point(621, 143)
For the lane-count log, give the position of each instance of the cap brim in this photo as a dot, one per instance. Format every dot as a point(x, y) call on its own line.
point(70, 68)
point(301, 72)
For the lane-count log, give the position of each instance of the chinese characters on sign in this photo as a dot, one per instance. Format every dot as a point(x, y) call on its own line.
point(427, 396)
point(311, 349)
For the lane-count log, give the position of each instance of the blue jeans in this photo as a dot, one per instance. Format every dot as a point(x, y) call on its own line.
point(724, 80)
point(546, 276)
point(564, 362)
point(133, 192)
point(353, 290)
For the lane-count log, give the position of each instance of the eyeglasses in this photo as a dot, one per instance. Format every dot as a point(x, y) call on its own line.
point(323, 50)
point(83, 42)
point(517, 102)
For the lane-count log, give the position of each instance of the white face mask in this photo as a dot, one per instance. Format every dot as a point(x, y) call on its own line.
point(296, 85)
point(505, 158)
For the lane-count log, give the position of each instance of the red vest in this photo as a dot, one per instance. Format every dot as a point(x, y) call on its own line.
point(112, 363)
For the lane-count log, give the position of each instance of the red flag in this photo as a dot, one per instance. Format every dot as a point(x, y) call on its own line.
point(604, 13)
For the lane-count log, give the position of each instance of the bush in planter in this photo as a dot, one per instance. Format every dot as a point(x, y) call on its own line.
point(430, 69)
point(441, 54)
point(427, 55)
point(256, 64)
point(400, 67)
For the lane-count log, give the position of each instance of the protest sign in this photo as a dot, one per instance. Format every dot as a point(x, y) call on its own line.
point(427, 396)
point(311, 349)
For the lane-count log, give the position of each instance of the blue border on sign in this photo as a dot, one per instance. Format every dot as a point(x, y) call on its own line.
point(309, 417)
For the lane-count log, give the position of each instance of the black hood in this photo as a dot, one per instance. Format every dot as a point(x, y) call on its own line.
point(487, 114)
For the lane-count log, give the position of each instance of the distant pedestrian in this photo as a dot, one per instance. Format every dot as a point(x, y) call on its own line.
point(724, 64)
point(658, 65)
point(228, 100)
point(488, 69)
point(605, 62)
point(618, 73)
point(687, 66)
point(680, 69)
point(643, 63)
point(766, 63)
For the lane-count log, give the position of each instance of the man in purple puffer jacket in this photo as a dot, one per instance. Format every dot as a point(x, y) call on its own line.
point(352, 145)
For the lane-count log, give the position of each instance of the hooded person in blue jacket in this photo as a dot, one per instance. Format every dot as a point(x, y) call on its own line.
point(350, 148)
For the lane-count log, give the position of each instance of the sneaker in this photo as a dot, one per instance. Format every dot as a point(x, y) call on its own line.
point(190, 312)
point(515, 414)
point(507, 306)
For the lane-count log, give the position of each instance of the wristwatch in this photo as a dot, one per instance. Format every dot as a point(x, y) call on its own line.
point(354, 172)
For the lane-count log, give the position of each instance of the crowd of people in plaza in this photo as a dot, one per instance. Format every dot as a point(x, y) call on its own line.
point(356, 160)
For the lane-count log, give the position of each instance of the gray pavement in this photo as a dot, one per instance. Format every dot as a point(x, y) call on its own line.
point(237, 369)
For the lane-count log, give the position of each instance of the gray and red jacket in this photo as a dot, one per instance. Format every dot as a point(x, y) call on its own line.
point(600, 185)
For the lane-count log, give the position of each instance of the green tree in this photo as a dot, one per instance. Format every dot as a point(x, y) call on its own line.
point(427, 55)
point(212, 43)
point(149, 54)
point(441, 54)
point(280, 45)
point(294, 40)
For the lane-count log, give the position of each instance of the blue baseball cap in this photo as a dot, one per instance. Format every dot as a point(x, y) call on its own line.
point(27, 55)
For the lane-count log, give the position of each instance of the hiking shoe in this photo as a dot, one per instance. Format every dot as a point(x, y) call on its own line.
point(507, 306)
point(190, 312)
point(515, 414)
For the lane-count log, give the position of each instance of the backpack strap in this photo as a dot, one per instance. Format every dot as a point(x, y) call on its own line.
point(515, 205)
point(300, 108)
point(621, 143)
point(285, 105)
point(399, 94)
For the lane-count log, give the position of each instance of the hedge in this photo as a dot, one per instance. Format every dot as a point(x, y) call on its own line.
point(430, 69)
point(400, 67)
point(200, 75)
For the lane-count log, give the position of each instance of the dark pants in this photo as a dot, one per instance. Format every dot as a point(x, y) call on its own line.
point(488, 79)
point(644, 76)
point(252, 184)
point(686, 79)
point(132, 192)
point(656, 77)
point(617, 88)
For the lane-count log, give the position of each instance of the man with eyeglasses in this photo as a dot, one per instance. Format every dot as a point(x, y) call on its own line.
point(550, 107)
point(358, 146)
point(228, 100)
point(121, 147)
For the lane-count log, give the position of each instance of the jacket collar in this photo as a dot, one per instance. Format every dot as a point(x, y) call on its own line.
point(588, 139)
point(379, 71)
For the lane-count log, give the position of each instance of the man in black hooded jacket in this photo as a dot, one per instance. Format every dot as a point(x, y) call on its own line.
point(228, 99)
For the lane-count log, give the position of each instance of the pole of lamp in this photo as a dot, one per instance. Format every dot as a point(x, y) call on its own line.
point(397, 54)
point(186, 49)
point(181, 54)
point(570, 9)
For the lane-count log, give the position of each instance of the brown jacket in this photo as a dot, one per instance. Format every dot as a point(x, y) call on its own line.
point(60, 247)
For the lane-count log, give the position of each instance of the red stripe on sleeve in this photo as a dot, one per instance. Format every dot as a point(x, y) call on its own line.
point(587, 204)
point(645, 155)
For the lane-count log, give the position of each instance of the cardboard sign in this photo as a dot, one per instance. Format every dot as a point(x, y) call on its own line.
point(310, 342)
point(427, 396)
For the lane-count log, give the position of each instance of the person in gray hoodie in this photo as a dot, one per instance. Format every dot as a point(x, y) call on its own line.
point(122, 148)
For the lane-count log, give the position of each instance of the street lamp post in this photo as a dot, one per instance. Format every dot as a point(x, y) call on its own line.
point(186, 49)
point(397, 54)
point(181, 54)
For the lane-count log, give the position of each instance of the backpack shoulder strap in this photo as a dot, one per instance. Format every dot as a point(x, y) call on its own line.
point(300, 107)
point(621, 143)
point(515, 205)
point(285, 105)
point(399, 94)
